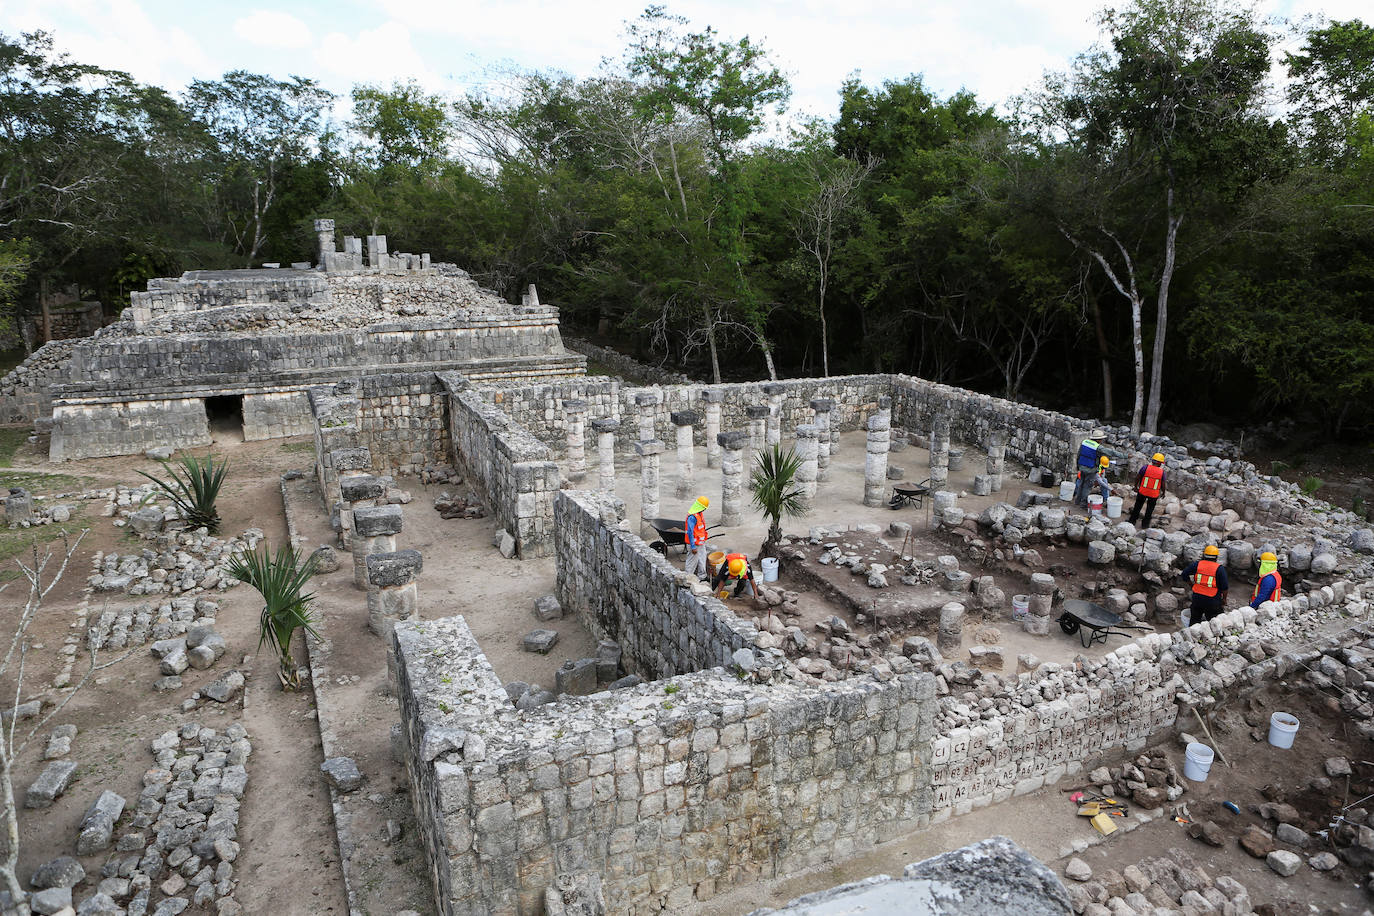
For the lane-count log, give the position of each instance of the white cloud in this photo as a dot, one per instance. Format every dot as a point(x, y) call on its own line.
point(273, 29)
point(382, 55)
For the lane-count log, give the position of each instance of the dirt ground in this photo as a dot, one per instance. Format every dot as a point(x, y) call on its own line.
point(119, 714)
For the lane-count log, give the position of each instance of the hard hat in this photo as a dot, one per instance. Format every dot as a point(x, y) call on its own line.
point(1211, 551)
point(1104, 461)
point(736, 568)
point(1158, 456)
point(704, 501)
point(1268, 557)
point(1099, 432)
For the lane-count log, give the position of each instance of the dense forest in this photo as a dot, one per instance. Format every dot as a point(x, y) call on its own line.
point(1180, 225)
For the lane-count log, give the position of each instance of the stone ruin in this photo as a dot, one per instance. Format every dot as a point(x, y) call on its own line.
point(253, 342)
point(725, 752)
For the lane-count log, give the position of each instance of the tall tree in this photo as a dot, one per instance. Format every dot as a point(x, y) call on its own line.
point(1331, 89)
point(263, 128)
point(1163, 123)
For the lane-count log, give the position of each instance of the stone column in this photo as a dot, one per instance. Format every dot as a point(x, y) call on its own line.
point(885, 409)
point(732, 473)
point(757, 415)
point(807, 450)
point(577, 446)
point(324, 233)
point(951, 633)
point(1037, 621)
point(875, 461)
point(605, 451)
point(649, 453)
point(646, 406)
point(997, 452)
point(18, 506)
point(374, 531)
point(355, 493)
point(683, 421)
point(775, 393)
point(343, 462)
point(376, 252)
point(391, 591)
point(822, 408)
point(353, 247)
point(939, 451)
point(712, 399)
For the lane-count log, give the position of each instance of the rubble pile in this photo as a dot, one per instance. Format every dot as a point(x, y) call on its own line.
point(185, 563)
point(1154, 885)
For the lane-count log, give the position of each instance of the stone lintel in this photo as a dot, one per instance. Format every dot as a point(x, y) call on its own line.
point(391, 570)
point(377, 521)
point(735, 440)
point(605, 425)
point(649, 447)
point(351, 459)
point(757, 411)
point(773, 389)
point(646, 398)
point(365, 486)
point(822, 405)
point(684, 417)
point(712, 396)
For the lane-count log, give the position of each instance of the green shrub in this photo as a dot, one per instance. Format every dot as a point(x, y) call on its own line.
point(193, 488)
point(280, 578)
point(1311, 485)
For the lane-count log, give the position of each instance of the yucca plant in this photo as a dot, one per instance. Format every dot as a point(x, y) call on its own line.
point(193, 488)
point(280, 578)
point(775, 492)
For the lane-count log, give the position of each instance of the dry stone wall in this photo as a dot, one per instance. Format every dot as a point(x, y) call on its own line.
point(670, 791)
point(627, 592)
point(512, 468)
point(403, 419)
point(26, 392)
point(107, 427)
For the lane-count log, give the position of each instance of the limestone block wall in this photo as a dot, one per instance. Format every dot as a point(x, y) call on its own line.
point(513, 469)
point(276, 415)
point(403, 419)
point(628, 592)
point(334, 422)
point(671, 791)
point(114, 427)
point(221, 289)
point(626, 367)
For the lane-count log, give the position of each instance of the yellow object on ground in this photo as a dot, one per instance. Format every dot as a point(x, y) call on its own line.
point(1104, 824)
point(1090, 809)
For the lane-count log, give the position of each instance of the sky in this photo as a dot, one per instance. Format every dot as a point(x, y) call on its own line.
point(995, 48)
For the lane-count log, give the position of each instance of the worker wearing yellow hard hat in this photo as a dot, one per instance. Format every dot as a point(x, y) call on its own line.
point(1270, 584)
point(1209, 584)
point(735, 568)
point(1100, 484)
point(1149, 487)
point(695, 535)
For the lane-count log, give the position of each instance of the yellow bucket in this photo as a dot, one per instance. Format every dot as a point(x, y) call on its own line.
point(713, 561)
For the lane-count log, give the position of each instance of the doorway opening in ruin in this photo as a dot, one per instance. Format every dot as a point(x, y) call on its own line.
point(225, 415)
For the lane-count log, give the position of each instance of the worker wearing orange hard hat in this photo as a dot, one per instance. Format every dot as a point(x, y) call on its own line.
point(1149, 487)
point(1207, 579)
point(695, 537)
point(736, 568)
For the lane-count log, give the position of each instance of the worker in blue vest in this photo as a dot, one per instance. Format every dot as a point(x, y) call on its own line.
point(1207, 579)
point(1270, 584)
point(1090, 454)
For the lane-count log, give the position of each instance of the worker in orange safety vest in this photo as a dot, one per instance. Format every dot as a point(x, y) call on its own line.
point(695, 537)
point(1207, 578)
point(736, 567)
point(1149, 487)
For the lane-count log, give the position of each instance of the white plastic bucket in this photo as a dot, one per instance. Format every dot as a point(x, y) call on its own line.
point(1282, 728)
point(1197, 762)
point(1095, 505)
point(1066, 490)
point(770, 569)
point(1020, 606)
point(1113, 507)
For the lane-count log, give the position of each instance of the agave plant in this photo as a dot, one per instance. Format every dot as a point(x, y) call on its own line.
point(775, 492)
point(194, 488)
point(280, 578)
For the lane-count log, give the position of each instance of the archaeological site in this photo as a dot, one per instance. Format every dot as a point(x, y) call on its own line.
point(946, 688)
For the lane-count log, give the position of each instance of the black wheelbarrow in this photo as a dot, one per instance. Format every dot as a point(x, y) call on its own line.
point(909, 494)
point(1092, 622)
point(672, 532)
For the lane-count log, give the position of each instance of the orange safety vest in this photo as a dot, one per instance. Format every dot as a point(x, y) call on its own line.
point(736, 556)
point(1278, 587)
point(696, 523)
point(1205, 579)
point(1152, 483)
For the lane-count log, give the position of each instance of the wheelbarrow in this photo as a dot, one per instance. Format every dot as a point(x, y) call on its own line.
point(1092, 622)
point(672, 533)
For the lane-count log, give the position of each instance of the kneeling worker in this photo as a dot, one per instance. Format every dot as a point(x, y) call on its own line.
point(1270, 584)
point(736, 568)
point(1209, 583)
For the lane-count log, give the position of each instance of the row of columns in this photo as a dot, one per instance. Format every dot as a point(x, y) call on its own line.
point(368, 529)
point(815, 445)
